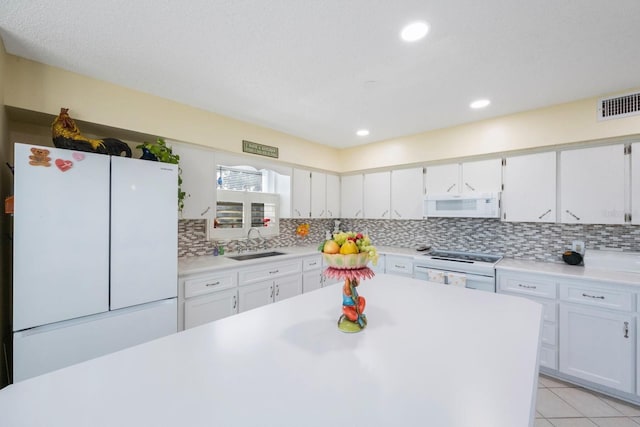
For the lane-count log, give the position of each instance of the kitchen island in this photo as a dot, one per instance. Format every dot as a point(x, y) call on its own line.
point(431, 355)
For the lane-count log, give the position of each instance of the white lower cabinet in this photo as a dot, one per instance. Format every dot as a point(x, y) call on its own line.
point(597, 344)
point(542, 290)
point(589, 332)
point(207, 297)
point(398, 265)
point(261, 285)
point(208, 308)
point(312, 277)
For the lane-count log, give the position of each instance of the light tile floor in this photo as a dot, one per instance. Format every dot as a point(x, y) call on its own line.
point(565, 405)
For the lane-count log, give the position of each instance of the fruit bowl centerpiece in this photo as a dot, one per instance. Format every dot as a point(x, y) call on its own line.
point(347, 256)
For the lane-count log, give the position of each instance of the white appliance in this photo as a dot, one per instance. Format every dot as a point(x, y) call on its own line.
point(472, 205)
point(95, 256)
point(466, 269)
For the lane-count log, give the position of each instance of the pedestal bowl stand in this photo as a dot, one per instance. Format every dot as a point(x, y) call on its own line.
point(351, 268)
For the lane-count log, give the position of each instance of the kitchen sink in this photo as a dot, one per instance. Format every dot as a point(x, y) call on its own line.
point(256, 255)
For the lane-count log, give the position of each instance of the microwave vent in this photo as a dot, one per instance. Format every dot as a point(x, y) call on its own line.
point(619, 106)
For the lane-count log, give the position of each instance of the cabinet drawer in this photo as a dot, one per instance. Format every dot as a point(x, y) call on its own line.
point(549, 334)
point(311, 263)
point(614, 299)
point(537, 287)
point(266, 272)
point(549, 357)
point(398, 265)
point(210, 283)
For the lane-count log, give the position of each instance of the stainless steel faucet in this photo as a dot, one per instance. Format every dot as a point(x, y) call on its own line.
point(249, 236)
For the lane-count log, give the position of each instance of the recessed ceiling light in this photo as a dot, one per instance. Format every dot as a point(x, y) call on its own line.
point(480, 103)
point(362, 132)
point(414, 31)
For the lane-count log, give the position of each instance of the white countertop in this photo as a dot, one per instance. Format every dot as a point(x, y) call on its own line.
point(570, 271)
point(431, 355)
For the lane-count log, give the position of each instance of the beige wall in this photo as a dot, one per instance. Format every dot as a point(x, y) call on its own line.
point(6, 186)
point(45, 89)
point(41, 88)
point(556, 125)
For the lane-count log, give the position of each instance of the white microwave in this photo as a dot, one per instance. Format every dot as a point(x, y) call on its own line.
point(463, 205)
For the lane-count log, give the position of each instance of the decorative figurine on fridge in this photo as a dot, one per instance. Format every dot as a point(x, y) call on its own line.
point(66, 134)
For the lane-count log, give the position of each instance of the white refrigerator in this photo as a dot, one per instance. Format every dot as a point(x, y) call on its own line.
point(95, 256)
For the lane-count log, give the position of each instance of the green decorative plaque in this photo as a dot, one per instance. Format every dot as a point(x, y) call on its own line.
point(259, 149)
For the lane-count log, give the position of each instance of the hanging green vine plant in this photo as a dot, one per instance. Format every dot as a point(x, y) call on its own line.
point(159, 151)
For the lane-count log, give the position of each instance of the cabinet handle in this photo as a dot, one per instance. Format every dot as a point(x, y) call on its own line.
point(330, 213)
point(469, 187)
point(277, 290)
point(298, 212)
point(384, 213)
point(544, 214)
point(213, 284)
point(274, 271)
point(271, 287)
point(312, 263)
point(626, 329)
point(398, 213)
point(593, 296)
point(572, 214)
point(400, 266)
point(526, 286)
point(205, 211)
point(235, 301)
point(358, 213)
point(450, 188)
point(322, 213)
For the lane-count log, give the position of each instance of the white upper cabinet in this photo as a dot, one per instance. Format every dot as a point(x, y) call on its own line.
point(530, 188)
point(351, 196)
point(407, 193)
point(443, 179)
point(478, 176)
point(318, 195)
point(198, 181)
point(635, 190)
point(377, 195)
point(481, 176)
point(333, 196)
point(592, 185)
point(301, 194)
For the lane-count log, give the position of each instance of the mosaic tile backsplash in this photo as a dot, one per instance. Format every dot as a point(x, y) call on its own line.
point(533, 241)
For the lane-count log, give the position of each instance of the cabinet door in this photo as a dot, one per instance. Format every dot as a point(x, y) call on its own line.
point(255, 295)
point(407, 193)
point(208, 308)
point(287, 287)
point(311, 281)
point(597, 346)
point(198, 181)
point(635, 193)
point(301, 194)
point(351, 196)
point(443, 179)
point(318, 195)
point(333, 196)
point(482, 176)
point(377, 195)
point(530, 188)
point(592, 185)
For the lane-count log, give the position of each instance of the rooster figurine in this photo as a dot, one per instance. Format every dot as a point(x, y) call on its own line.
point(66, 134)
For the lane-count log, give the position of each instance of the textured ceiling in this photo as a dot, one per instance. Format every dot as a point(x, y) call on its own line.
point(321, 69)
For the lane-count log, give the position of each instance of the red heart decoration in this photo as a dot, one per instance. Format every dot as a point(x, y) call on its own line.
point(64, 165)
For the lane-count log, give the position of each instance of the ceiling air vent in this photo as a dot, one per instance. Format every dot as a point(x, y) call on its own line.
point(620, 106)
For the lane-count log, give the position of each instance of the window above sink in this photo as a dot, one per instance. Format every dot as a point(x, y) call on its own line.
point(239, 211)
